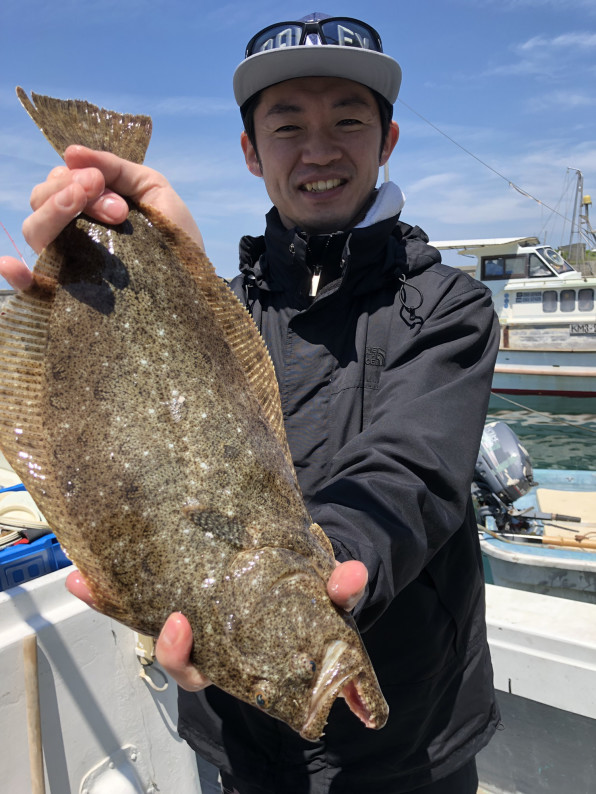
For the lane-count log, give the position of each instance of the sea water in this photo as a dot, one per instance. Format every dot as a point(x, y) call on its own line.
point(559, 433)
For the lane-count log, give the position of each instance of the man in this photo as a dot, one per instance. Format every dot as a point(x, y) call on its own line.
point(384, 358)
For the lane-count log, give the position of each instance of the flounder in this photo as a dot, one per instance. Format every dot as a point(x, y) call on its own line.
point(139, 406)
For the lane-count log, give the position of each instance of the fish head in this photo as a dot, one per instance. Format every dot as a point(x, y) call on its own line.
point(308, 655)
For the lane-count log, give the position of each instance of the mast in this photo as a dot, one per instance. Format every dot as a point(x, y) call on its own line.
point(580, 226)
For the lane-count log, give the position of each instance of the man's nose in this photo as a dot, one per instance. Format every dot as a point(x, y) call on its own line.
point(320, 149)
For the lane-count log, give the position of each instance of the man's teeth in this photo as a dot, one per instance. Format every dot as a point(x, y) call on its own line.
point(321, 185)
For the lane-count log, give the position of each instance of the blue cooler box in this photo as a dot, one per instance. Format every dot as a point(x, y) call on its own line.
point(27, 561)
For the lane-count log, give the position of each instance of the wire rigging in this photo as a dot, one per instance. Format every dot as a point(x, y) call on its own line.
point(482, 162)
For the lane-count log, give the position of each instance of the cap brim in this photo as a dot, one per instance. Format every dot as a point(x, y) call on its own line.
point(373, 69)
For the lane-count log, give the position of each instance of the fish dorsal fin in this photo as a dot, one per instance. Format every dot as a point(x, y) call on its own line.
point(72, 121)
point(236, 324)
point(24, 322)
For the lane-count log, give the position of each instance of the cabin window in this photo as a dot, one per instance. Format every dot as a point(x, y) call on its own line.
point(502, 267)
point(585, 300)
point(549, 300)
point(537, 267)
point(556, 260)
point(567, 300)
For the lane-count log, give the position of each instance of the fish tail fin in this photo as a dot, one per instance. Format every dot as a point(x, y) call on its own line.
point(72, 121)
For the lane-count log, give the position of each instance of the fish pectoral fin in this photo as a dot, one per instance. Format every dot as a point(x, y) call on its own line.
point(215, 524)
point(322, 538)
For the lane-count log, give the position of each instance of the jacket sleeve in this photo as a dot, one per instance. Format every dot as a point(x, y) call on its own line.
point(399, 489)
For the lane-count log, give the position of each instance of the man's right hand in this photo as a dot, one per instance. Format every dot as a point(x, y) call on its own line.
point(94, 183)
point(172, 650)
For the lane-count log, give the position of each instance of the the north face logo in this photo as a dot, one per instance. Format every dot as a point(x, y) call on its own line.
point(375, 356)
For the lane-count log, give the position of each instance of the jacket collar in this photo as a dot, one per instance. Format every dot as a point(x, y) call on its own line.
point(363, 259)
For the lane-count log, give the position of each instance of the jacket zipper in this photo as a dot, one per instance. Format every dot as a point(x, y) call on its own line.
point(314, 284)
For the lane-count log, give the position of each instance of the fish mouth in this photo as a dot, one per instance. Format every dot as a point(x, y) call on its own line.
point(339, 676)
point(322, 185)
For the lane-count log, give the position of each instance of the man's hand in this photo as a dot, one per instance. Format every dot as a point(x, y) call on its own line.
point(173, 645)
point(94, 183)
point(345, 587)
point(347, 583)
point(173, 653)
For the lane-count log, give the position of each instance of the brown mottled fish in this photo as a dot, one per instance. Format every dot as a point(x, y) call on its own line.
point(139, 406)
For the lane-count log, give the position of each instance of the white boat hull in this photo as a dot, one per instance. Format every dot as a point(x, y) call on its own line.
point(562, 573)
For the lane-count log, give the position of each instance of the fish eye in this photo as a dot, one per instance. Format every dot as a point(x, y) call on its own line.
point(264, 695)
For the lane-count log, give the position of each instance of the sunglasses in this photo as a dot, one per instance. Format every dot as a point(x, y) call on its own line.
point(339, 31)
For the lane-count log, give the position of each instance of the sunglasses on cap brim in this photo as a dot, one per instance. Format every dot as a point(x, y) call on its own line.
point(337, 31)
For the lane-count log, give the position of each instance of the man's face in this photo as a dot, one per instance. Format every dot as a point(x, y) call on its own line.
point(318, 141)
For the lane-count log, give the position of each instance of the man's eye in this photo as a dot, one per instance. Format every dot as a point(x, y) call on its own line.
point(287, 128)
point(350, 122)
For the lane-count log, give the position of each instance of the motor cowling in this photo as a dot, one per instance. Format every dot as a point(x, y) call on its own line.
point(503, 467)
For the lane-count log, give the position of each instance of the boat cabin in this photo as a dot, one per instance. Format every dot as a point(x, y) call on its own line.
point(532, 284)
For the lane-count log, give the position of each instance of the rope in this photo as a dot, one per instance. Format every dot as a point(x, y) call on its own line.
point(546, 416)
point(486, 165)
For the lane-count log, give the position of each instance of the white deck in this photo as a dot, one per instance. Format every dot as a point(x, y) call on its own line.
point(95, 709)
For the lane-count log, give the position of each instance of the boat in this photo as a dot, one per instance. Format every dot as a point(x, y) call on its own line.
point(537, 526)
point(546, 312)
point(543, 652)
point(541, 619)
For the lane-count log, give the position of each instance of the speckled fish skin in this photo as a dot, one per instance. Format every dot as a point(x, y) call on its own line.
point(139, 406)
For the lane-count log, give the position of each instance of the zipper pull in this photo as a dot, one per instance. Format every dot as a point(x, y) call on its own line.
point(314, 284)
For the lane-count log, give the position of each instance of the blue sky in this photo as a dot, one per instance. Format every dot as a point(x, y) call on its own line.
point(511, 81)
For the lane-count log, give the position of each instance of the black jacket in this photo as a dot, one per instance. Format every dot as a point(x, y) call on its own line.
point(384, 380)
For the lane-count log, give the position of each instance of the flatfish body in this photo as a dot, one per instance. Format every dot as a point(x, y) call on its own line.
point(139, 406)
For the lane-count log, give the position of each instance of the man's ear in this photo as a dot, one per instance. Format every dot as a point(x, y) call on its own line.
point(390, 141)
point(250, 155)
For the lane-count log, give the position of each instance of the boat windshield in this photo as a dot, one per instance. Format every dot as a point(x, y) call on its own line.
point(555, 260)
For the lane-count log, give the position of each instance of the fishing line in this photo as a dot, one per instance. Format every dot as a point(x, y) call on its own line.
point(22, 258)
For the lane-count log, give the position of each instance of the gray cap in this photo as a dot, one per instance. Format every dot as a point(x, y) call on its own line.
point(315, 59)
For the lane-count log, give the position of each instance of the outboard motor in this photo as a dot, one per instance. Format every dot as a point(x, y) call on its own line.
point(503, 473)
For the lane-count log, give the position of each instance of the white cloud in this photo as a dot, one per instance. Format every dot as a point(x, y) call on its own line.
point(545, 56)
point(562, 101)
point(565, 41)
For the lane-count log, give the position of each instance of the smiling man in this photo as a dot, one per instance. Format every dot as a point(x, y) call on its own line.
point(384, 358)
point(320, 153)
point(375, 345)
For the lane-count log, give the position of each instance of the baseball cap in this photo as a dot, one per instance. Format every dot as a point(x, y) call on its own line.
point(317, 45)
